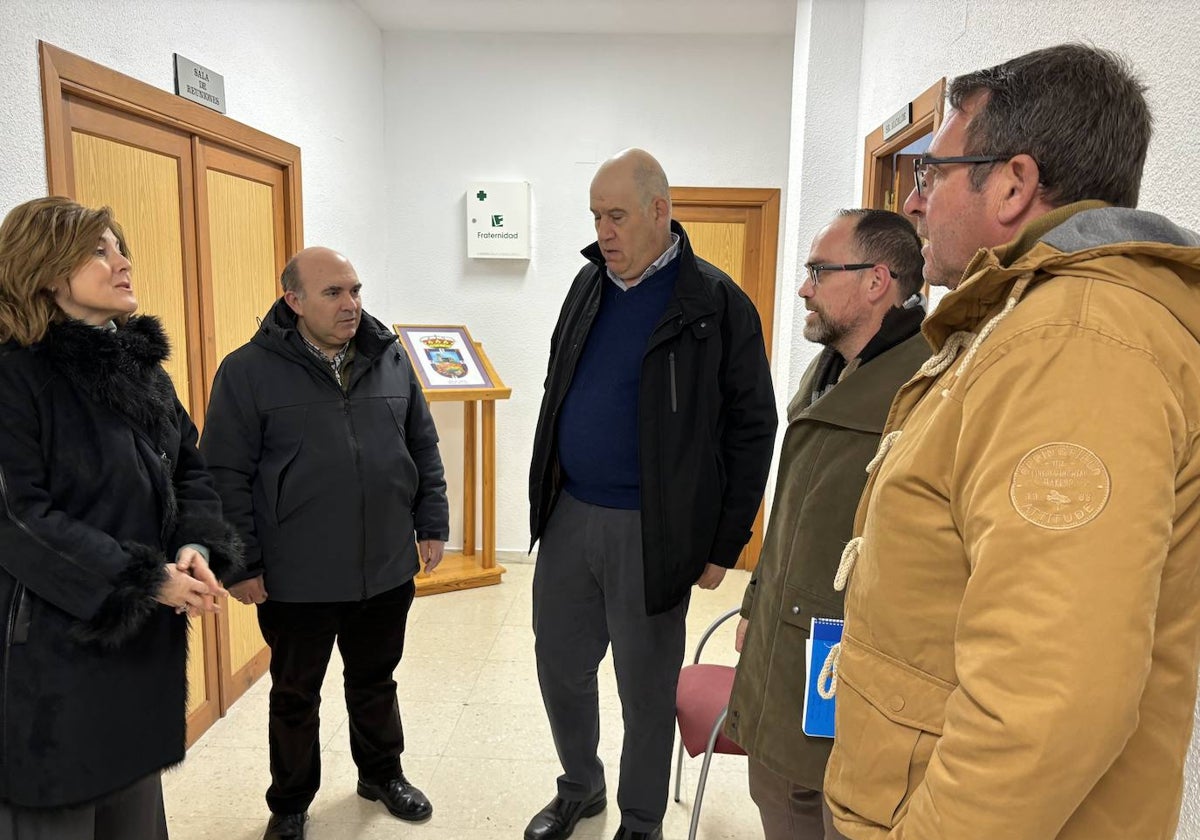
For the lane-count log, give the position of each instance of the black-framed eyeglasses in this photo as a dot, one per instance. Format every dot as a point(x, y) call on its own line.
point(921, 165)
point(814, 271)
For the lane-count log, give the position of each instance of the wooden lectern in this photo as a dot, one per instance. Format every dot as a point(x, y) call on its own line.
point(453, 368)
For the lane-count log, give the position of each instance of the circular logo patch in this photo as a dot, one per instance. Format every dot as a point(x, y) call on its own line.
point(1060, 486)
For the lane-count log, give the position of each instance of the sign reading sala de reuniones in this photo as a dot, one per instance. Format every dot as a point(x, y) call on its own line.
point(199, 84)
point(897, 122)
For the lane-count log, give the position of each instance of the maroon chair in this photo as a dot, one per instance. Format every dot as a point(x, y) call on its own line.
point(701, 703)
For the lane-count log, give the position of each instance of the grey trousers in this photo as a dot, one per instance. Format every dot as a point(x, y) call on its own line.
point(789, 811)
point(132, 812)
point(588, 591)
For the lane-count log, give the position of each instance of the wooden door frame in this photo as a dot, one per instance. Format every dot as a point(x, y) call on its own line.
point(762, 253)
point(927, 112)
point(763, 249)
point(64, 73)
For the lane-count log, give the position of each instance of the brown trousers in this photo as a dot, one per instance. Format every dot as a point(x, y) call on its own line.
point(788, 811)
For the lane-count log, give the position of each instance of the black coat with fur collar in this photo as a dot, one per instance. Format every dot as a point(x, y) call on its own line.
point(100, 485)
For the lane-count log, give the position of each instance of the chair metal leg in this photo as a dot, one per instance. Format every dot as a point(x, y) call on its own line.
point(708, 754)
point(679, 771)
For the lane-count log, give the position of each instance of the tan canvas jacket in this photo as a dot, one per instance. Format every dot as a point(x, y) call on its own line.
point(1023, 612)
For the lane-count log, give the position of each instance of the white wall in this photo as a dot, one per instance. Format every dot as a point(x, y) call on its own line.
point(547, 109)
point(308, 72)
point(824, 136)
point(907, 45)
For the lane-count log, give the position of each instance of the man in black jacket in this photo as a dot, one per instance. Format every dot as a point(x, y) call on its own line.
point(326, 458)
point(651, 454)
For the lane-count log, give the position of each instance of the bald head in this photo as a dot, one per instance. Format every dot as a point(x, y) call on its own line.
point(322, 288)
point(312, 261)
point(642, 170)
point(631, 204)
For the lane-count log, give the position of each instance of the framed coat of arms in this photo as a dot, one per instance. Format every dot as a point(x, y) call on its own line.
point(444, 357)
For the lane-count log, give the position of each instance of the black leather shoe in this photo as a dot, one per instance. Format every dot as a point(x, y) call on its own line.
point(400, 797)
point(286, 827)
point(557, 820)
point(624, 833)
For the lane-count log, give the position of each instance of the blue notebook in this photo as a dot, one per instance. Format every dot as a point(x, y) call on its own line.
point(824, 633)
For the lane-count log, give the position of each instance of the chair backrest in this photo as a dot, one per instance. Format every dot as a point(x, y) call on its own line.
point(712, 628)
point(700, 702)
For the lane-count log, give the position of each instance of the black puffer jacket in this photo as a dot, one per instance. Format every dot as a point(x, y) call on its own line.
point(328, 488)
point(706, 422)
point(101, 484)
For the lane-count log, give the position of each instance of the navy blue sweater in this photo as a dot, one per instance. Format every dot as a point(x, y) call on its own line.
point(598, 423)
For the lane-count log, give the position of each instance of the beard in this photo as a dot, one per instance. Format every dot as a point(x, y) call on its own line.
point(821, 330)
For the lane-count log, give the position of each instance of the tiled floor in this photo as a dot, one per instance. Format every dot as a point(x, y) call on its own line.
point(477, 741)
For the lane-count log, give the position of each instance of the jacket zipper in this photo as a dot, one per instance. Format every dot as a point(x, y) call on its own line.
point(345, 395)
point(674, 401)
point(362, 496)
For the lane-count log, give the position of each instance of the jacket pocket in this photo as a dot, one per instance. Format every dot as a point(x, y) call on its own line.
point(398, 406)
point(405, 477)
point(283, 507)
point(889, 717)
point(20, 616)
point(705, 327)
point(286, 426)
point(674, 389)
point(799, 608)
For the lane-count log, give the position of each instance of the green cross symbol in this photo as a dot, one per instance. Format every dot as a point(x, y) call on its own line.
point(481, 195)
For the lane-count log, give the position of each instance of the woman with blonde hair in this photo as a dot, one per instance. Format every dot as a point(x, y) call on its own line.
point(110, 536)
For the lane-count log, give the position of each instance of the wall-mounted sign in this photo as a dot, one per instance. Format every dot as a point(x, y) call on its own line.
point(199, 84)
point(897, 122)
point(498, 220)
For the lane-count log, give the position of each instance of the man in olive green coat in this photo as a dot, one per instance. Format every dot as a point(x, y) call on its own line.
point(862, 293)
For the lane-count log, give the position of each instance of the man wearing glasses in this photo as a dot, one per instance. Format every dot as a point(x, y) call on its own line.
point(1022, 636)
point(862, 290)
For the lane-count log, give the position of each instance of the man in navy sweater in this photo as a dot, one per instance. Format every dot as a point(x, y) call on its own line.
point(649, 463)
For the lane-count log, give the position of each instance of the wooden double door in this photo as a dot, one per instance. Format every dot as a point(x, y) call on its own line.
point(210, 209)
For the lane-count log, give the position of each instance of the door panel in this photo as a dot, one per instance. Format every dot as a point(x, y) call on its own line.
point(245, 252)
point(721, 243)
point(737, 230)
point(242, 254)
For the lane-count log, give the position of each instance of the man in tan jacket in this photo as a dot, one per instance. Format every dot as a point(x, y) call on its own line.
point(862, 292)
point(1023, 613)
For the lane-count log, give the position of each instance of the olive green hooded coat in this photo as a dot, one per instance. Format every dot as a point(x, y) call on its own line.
point(822, 470)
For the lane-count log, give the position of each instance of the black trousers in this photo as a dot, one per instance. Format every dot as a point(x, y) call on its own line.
point(588, 592)
point(370, 637)
point(132, 812)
